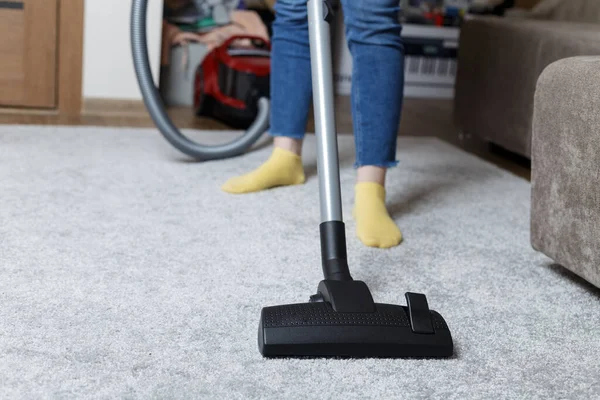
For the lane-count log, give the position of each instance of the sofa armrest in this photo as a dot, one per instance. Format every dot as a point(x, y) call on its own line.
point(565, 222)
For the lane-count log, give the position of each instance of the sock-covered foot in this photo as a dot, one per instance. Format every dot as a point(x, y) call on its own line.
point(374, 226)
point(281, 169)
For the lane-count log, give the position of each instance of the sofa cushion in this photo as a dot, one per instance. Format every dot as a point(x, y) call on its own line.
point(565, 222)
point(500, 61)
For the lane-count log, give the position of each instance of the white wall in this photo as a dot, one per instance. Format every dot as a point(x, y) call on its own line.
point(107, 63)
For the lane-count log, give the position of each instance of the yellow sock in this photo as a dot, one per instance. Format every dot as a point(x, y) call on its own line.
point(374, 226)
point(281, 169)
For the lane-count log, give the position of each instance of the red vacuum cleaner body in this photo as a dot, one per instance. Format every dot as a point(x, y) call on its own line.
point(231, 80)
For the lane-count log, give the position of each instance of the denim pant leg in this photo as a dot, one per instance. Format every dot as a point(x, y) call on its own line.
point(291, 80)
point(373, 34)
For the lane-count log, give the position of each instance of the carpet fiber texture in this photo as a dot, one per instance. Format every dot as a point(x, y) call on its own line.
point(127, 273)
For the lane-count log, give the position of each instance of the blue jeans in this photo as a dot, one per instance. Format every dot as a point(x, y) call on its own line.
point(373, 34)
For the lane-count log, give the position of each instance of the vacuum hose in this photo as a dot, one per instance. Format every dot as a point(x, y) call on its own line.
point(156, 108)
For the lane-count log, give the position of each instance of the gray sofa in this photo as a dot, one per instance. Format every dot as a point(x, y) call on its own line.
point(501, 59)
point(565, 215)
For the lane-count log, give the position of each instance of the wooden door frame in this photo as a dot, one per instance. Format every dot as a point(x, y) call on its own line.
point(70, 57)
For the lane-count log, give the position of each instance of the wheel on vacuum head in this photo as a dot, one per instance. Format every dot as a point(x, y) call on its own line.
point(156, 108)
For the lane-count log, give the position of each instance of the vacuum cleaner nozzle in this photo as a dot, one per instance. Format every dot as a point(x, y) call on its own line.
point(317, 329)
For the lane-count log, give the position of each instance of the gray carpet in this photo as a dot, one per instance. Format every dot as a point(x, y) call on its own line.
point(127, 273)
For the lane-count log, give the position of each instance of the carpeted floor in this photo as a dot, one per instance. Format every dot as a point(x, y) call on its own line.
point(127, 273)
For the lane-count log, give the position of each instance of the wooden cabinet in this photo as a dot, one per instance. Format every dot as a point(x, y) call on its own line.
point(40, 55)
point(28, 53)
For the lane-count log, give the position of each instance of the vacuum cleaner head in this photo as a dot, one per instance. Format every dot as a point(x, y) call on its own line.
point(358, 329)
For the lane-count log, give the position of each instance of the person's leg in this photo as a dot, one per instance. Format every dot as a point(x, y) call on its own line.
point(291, 93)
point(373, 33)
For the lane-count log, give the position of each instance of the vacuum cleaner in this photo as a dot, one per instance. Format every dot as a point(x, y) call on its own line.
point(341, 320)
point(231, 81)
point(156, 107)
